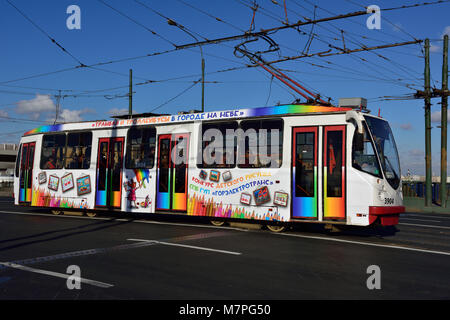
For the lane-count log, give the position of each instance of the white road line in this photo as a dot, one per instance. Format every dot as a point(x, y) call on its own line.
point(425, 215)
point(424, 225)
point(187, 246)
point(125, 220)
point(363, 243)
point(419, 219)
point(55, 274)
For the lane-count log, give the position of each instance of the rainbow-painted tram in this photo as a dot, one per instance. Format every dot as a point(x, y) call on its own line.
point(326, 165)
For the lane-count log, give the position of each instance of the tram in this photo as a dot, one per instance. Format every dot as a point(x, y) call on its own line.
point(272, 165)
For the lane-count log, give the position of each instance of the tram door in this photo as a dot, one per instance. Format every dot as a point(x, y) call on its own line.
point(334, 172)
point(109, 172)
point(26, 172)
point(312, 184)
point(171, 182)
point(304, 173)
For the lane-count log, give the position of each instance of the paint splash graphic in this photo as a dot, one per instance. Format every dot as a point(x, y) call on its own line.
point(198, 206)
point(142, 175)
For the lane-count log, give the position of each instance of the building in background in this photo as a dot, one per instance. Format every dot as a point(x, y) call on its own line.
point(8, 154)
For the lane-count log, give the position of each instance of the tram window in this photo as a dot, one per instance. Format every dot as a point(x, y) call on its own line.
point(334, 164)
point(52, 155)
point(180, 168)
point(102, 165)
point(78, 150)
point(116, 165)
point(304, 164)
point(223, 153)
point(18, 160)
point(257, 149)
point(366, 159)
point(164, 165)
point(141, 148)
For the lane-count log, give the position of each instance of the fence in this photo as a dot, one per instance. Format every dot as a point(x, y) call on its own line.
point(417, 190)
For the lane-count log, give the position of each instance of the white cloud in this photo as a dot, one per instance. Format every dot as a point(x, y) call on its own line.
point(36, 106)
point(434, 48)
point(416, 153)
point(67, 115)
point(406, 126)
point(436, 116)
point(3, 113)
point(446, 31)
point(118, 112)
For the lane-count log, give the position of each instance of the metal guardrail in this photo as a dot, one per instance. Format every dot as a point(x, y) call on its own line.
point(417, 190)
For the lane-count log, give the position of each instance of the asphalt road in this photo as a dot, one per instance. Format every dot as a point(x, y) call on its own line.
point(186, 258)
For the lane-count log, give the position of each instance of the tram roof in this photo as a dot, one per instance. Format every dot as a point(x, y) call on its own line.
point(282, 110)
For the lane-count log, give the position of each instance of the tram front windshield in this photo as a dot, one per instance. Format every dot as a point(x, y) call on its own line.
point(386, 148)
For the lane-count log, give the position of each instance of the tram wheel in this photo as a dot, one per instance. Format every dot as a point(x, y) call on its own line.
point(276, 228)
point(91, 214)
point(217, 223)
point(57, 212)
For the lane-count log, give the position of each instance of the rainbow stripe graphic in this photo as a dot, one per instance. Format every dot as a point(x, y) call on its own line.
point(304, 207)
point(43, 129)
point(292, 108)
point(142, 175)
point(163, 198)
point(226, 114)
point(333, 207)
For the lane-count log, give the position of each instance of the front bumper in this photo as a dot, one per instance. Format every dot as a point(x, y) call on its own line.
point(388, 215)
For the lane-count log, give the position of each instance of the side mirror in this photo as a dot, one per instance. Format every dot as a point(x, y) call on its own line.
point(358, 141)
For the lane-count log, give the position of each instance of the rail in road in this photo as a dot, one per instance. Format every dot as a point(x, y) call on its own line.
point(108, 257)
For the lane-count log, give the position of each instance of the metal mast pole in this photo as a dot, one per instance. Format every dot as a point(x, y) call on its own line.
point(130, 96)
point(444, 119)
point(428, 173)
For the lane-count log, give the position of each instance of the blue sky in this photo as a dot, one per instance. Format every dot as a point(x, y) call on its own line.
point(106, 35)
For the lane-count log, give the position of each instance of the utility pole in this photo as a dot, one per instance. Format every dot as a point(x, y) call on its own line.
point(203, 85)
point(130, 96)
point(427, 96)
point(444, 119)
point(58, 99)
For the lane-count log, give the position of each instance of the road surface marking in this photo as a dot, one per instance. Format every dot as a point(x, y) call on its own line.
point(186, 246)
point(68, 255)
point(55, 274)
point(125, 220)
point(73, 254)
point(363, 243)
point(424, 225)
point(426, 215)
point(419, 219)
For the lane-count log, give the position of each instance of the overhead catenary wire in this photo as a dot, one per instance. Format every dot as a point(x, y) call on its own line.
point(45, 33)
point(137, 23)
point(178, 95)
point(172, 50)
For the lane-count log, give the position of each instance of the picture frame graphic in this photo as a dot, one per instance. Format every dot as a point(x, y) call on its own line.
point(53, 182)
point(226, 176)
point(84, 185)
point(203, 174)
point(280, 198)
point(261, 195)
point(42, 177)
point(214, 175)
point(246, 198)
point(67, 182)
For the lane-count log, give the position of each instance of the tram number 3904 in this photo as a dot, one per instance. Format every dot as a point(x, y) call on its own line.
point(388, 200)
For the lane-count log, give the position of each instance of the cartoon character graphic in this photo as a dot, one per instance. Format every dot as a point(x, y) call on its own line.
point(146, 203)
point(132, 187)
